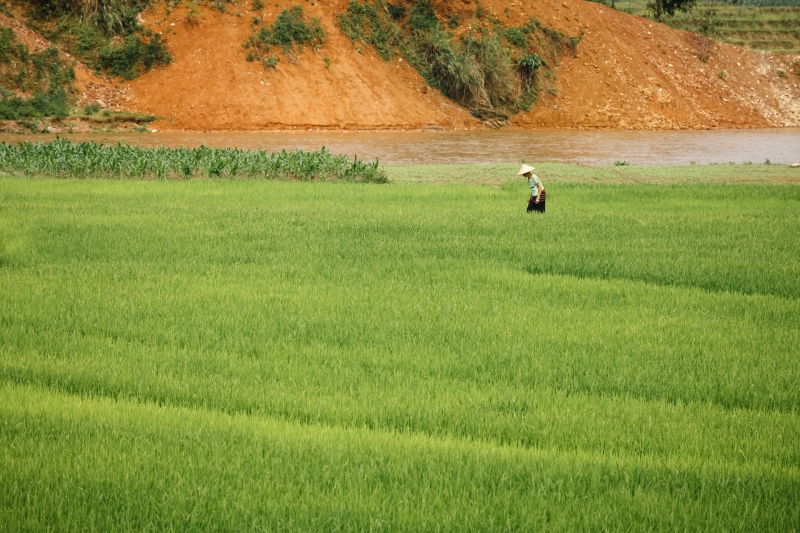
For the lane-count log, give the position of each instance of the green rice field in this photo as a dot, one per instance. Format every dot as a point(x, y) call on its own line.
point(422, 355)
point(771, 25)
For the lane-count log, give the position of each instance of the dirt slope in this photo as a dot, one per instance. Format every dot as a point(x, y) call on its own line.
point(634, 74)
point(210, 85)
point(628, 73)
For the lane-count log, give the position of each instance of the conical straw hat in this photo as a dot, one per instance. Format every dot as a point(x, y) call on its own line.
point(523, 169)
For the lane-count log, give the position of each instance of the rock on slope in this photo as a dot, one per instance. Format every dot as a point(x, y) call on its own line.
point(628, 72)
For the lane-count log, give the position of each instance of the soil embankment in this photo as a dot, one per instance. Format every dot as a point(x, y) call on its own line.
point(211, 86)
point(632, 73)
point(628, 72)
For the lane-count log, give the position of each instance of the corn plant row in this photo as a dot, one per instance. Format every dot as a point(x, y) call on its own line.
point(63, 158)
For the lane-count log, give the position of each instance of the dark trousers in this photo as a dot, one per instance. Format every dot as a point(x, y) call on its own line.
point(533, 206)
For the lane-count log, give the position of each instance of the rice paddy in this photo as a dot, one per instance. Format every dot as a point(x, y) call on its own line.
point(297, 356)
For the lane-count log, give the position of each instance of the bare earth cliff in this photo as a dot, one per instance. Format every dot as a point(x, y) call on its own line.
point(628, 72)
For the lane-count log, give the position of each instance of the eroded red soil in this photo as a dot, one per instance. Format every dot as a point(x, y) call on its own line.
point(628, 73)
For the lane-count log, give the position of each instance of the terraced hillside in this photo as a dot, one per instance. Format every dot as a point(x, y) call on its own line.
point(771, 28)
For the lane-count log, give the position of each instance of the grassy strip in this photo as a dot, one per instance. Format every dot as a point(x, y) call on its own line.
point(75, 464)
point(62, 158)
point(558, 173)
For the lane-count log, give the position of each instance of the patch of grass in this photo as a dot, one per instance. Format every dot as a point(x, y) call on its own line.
point(453, 21)
point(93, 114)
point(501, 175)
point(289, 29)
point(314, 356)
point(193, 14)
point(111, 17)
point(364, 22)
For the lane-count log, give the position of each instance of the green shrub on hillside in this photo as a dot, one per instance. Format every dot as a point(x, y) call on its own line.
point(105, 34)
point(40, 105)
point(133, 57)
point(129, 57)
point(289, 29)
point(492, 71)
point(363, 22)
point(26, 71)
point(42, 81)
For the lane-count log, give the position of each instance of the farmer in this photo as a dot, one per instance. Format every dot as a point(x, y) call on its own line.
point(536, 201)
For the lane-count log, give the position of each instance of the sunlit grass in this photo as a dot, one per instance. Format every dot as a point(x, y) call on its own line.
point(295, 356)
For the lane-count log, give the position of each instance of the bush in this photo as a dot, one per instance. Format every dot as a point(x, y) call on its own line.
point(423, 17)
point(516, 37)
point(43, 78)
point(271, 61)
point(397, 12)
point(112, 17)
point(134, 57)
point(289, 29)
point(529, 64)
point(669, 7)
point(52, 104)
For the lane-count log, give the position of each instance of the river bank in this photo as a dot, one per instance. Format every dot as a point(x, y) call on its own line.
point(778, 145)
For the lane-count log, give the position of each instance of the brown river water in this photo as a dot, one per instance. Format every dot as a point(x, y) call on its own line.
point(504, 146)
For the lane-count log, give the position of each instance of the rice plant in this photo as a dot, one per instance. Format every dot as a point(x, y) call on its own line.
point(245, 355)
point(63, 158)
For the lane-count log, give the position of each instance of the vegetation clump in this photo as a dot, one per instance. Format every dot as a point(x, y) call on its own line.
point(492, 71)
point(289, 29)
point(105, 34)
point(62, 158)
point(133, 57)
point(32, 84)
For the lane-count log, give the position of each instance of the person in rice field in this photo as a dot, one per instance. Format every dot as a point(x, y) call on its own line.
point(536, 201)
